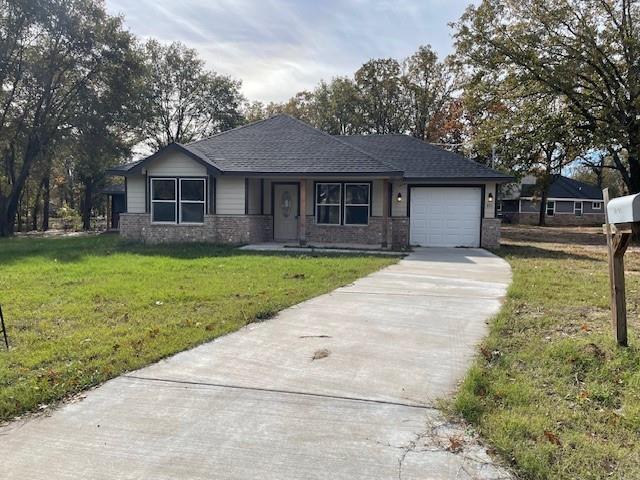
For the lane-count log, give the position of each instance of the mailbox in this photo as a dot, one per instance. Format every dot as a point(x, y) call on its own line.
point(624, 209)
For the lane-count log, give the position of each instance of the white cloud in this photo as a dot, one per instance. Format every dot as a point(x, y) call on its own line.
point(279, 47)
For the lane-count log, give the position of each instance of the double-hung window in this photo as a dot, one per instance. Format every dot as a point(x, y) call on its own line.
point(551, 208)
point(192, 200)
point(164, 195)
point(328, 197)
point(178, 200)
point(356, 203)
point(577, 209)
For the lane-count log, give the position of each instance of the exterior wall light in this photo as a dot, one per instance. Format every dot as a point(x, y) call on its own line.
point(399, 197)
point(490, 197)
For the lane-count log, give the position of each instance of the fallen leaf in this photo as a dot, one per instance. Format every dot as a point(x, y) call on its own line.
point(552, 437)
point(324, 353)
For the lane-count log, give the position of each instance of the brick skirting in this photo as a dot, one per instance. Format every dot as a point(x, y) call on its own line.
point(220, 229)
point(559, 219)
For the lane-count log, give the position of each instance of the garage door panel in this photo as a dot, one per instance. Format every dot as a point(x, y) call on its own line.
point(445, 216)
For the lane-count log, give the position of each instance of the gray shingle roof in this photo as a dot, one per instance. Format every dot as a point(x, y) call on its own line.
point(283, 144)
point(565, 187)
point(420, 160)
point(287, 146)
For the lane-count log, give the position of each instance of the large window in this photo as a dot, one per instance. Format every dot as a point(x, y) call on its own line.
point(178, 200)
point(163, 200)
point(328, 204)
point(356, 203)
point(192, 200)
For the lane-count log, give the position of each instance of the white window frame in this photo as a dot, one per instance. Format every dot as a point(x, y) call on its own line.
point(339, 204)
point(581, 209)
point(175, 201)
point(203, 201)
point(551, 203)
point(345, 205)
point(596, 205)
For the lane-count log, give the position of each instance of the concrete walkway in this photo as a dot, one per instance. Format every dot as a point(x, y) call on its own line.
point(341, 386)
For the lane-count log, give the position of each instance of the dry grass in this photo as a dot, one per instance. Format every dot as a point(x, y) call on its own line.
point(551, 390)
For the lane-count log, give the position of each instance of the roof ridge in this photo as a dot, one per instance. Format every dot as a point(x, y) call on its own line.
point(239, 127)
point(342, 142)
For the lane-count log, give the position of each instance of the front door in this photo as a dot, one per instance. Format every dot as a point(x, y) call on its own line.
point(285, 211)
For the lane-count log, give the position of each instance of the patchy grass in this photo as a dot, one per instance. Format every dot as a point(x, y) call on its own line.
point(82, 310)
point(551, 391)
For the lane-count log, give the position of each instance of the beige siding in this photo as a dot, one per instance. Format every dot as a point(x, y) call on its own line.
point(135, 194)
point(267, 197)
point(490, 207)
point(377, 197)
point(175, 164)
point(254, 196)
point(399, 209)
point(230, 195)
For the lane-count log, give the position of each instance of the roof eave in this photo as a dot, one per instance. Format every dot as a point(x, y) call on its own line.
point(470, 180)
point(257, 173)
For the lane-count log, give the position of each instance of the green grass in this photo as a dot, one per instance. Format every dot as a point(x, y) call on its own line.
point(551, 391)
point(82, 310)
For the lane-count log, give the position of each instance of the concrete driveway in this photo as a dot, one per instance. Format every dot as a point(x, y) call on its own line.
point(341, 386)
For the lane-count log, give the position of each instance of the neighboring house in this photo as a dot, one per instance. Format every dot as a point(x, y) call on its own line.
point(569, 202)
point(250, 184)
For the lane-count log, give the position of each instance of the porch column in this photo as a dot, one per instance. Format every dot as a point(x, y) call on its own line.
point(385, 213)
point(302, 213)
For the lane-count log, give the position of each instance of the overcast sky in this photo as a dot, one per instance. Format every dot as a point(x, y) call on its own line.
point(279, 47)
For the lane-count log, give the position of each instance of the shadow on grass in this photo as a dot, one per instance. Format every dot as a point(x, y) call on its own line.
point(74, 249)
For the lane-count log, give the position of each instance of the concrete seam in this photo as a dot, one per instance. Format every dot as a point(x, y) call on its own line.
point(285, 392)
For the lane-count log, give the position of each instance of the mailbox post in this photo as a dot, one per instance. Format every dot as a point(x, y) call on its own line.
point(620, 214)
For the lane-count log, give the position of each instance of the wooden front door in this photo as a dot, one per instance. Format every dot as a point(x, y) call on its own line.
point(285, 211)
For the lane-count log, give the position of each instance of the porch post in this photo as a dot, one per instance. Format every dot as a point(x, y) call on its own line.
point(385, 213)
point(302, 213)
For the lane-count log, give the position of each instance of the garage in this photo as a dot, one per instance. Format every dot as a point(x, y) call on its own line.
point(445, 216)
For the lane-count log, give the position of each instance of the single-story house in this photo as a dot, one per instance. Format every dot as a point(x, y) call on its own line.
point(569, 202)
point(283, 180)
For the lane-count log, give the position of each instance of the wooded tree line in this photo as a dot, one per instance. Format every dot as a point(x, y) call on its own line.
point(79, 92)
point(535, 84)
point(413, 96)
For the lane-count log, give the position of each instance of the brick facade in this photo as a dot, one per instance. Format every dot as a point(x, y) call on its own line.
point(490, 236)
point(559, 219)
point(399, 233)
point(371, 234)
point(220, 229)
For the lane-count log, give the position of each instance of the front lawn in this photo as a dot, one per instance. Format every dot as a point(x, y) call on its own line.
point(551, 391)
point(82, 310)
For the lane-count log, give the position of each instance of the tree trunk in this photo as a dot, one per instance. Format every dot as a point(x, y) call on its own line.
point(45, 202)
point(36, 207)
point(87, 205)
point(543, 209)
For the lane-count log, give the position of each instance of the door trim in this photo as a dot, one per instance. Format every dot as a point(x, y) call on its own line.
point(481, 186)
point(273, 206)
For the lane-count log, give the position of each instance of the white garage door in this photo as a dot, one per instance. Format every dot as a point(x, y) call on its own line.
point(445, 216)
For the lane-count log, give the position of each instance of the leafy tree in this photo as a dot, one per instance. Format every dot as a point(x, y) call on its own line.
point(186, 101)
point(49, 51)
point(584, 53)
point(106, 123)
point(384, 108)
point(428, 85)
point(533, 130)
